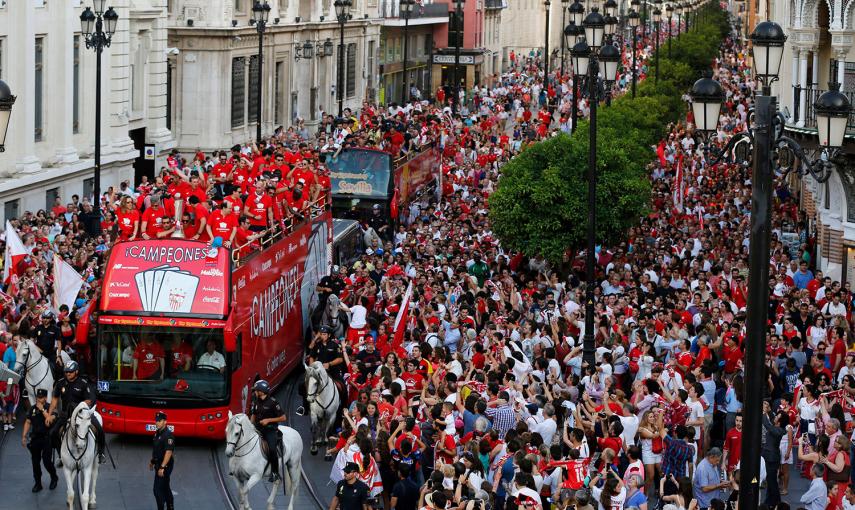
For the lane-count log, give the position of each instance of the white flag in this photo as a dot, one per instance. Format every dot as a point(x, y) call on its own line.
point(66, 283)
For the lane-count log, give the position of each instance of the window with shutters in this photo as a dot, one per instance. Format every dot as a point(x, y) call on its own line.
point(253, 89)
point(351, 70)
point(75, 84)
point(238, 91)
point(39, 88)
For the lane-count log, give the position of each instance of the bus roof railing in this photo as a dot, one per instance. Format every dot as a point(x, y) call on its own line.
point(271, 236)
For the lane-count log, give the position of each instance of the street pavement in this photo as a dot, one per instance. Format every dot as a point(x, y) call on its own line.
point(129, 486)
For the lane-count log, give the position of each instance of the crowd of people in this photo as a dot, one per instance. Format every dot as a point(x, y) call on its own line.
point(483, 400)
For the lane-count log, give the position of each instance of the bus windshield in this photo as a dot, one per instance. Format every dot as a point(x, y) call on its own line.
point(162, 362)
point(360, 173)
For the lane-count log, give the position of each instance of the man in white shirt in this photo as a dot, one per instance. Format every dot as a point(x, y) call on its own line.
point(545, 427)
point(212, 358)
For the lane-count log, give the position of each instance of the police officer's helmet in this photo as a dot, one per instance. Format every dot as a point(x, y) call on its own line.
point(262, 386)
point(47, 314)
point(71, 366)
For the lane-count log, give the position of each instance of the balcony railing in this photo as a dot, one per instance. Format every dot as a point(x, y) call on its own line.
point(808, 117)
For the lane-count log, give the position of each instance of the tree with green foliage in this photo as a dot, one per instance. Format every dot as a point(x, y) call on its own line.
point(541, 204)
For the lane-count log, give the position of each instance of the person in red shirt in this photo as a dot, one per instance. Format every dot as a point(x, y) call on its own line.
point(182, 356)
point(235, 201)
point(198, 221)
point(58, 209)
point(127, 220)
point(152, 219)
point(148, 359)
point(259, 208)
point(412, 379)
point(732, 354)
point(733, 445)
point(223, 224)
point(243, 176)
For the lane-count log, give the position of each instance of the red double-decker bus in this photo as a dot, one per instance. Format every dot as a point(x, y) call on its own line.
point(189, 328)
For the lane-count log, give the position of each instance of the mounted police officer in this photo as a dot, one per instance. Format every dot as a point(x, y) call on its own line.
point(48, 339)
point(332, 283)
point(266, 413)
point(162, 462)
point(327, 350)
point(70, 392)
point(39, 441)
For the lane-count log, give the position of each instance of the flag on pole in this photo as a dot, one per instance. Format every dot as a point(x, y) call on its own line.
point(15, 252)
point(678, 185)
point(66, 283)
point(402, 317)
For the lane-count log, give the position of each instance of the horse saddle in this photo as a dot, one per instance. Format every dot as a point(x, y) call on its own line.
point(265, 448)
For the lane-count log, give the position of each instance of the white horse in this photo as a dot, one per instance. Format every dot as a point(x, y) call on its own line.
point(333, 318)
point(78, 456)
point(323, 399)
point(247, 463)
point(39, 377)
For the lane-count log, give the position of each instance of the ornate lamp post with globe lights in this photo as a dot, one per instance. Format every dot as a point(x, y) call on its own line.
point(591, 58)
point(6, 102)
point(98, 27)
point(768, 142)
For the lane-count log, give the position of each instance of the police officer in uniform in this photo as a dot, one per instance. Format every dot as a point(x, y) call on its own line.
point(162, 461)
point(330, 284)
point(350, 493)
point(327, 350)
point(39, 444)
point(266, 413)
point(48, 338)
point(71, 391)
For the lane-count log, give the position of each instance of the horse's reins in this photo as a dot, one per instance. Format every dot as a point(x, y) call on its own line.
point(238, 448)
point(37, 363)
point(85, 447)
point(319, 392)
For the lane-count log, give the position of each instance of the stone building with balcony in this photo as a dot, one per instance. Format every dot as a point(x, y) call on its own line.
point(50, 141)
point(213, 71)
point(821, 49)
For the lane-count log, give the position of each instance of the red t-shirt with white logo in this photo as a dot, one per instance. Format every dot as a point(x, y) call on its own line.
point(148, 358)
point(154, 219)
point(222, 225)
point(258, 205)
point(126, 223)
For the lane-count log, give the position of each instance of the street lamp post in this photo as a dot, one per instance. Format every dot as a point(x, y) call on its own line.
point(6, 102)
point(563, 21)
point(657, 17)
point(455, 101)
point(572, 34)
point(591, 57)
point(669, 11)
point(342, 13)
point(679, 18)
point(548, 5)
point(634, 20)
point(768, 141)
point(98, 28)
point(406, 10)
point(260, 14)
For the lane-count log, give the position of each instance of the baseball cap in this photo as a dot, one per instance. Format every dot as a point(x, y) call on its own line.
point(160, 415)
point(351, 467)
point(41, 392)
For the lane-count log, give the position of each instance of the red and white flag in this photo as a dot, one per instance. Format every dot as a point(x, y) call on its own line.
point(402, 317)
point(15, 252)
point(66, 283)
point(678, 185)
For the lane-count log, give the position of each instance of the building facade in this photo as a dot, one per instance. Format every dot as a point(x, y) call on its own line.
point(820, 49)
point(50, 142)
point(214, 73)
point(420, 33)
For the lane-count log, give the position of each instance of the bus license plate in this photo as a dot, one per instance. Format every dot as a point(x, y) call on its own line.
point(151, 427)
